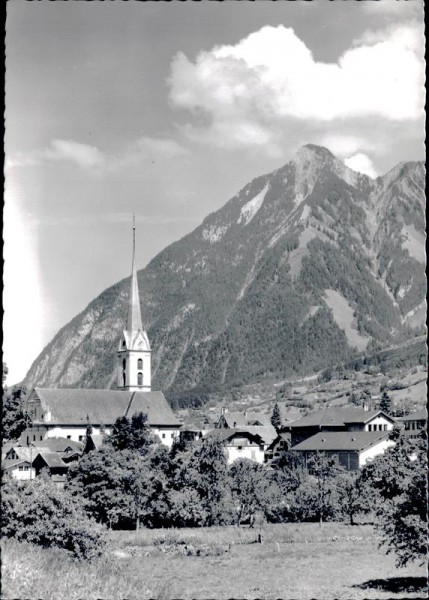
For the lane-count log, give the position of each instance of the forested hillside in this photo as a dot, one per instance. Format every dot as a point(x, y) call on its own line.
point(303, 268)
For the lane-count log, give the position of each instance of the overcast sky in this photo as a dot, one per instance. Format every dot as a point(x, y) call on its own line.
point(168, 109)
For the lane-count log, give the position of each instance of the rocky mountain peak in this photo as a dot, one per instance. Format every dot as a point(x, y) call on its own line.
point(303, 268)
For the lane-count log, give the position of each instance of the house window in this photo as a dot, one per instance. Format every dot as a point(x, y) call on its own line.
point(28, 440)
point(369, 427)
point(34, 438)
point(139, 364)
point(21, 468)
point(124, 379)
point(240, 447)
point(139, 378)
point(69, 437)
point(385, 427)
point(163, 436)
point(124, 364)
point(25, 468)
point(41, 437)
point(172, 435)
point(80, 438)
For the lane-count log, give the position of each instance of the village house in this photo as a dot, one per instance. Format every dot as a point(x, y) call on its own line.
point(19, 468)
point(240, 444)
point(414, 423)
point(234, 419)
point(68, 412)
point(17, 459)
point(352, 449)
point(339, 420)
point(277, 447)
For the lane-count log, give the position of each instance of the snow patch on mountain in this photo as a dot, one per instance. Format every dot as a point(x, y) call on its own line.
point(249, 210)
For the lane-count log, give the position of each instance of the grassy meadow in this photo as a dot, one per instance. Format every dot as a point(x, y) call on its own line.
point(294, 561)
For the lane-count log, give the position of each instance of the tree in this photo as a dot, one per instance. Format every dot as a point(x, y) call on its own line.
point(249, 487)
point(276, 419)
point(39, 512)
point(14, 417)
point(399, 479)
point(323, 468)
point(203, 468)
point(386, 403)
point(130, 434)
point(98, 479)
point(351, 495)
point(123, 486)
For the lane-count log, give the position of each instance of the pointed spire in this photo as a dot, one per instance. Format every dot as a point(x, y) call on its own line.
point(134, 321)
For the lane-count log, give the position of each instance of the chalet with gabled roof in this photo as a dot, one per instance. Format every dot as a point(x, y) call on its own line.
point(353, 449)
point(339, 420)
point(240, 444)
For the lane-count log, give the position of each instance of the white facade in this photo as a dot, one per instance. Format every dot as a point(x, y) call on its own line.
point(134, 364)
point(375, 450)
point(242, 448)
point(21, 471)
point(76, 433)
point(379, 423)
point(167, 436)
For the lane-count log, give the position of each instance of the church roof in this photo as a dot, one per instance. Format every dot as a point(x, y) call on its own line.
point(103, 407)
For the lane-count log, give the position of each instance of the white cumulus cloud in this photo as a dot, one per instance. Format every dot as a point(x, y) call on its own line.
point(361, 163)
point(246, 94)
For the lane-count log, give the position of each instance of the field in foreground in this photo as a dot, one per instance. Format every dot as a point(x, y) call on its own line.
point(294, 561)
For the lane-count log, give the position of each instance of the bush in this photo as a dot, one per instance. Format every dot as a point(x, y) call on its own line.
point(40, 513)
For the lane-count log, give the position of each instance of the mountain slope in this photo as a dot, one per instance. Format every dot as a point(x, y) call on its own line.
point(303, 267)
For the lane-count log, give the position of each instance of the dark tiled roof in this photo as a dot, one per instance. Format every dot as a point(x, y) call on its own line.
point(266, 432)
point(103, 407)
point(52, 459)
point(338, 417)
point(343, 440)
point(225, 435)
point(419, 415)
point(241, 419)
point(9, 464)
point(59, 444)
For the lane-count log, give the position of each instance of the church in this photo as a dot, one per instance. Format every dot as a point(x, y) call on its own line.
point(67, 412)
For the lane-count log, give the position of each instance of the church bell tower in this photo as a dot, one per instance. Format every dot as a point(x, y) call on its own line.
point(134, 353)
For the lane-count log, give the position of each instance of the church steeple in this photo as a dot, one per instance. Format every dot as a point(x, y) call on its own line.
point(134, 321)
point(134, 353)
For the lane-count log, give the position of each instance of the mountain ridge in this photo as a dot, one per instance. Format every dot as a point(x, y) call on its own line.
point(283, 278)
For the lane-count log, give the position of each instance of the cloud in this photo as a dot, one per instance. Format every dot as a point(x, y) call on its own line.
point(83, 155)
point(361, 163)
point(247, 94)
point(92, 159)
point(344, 145)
